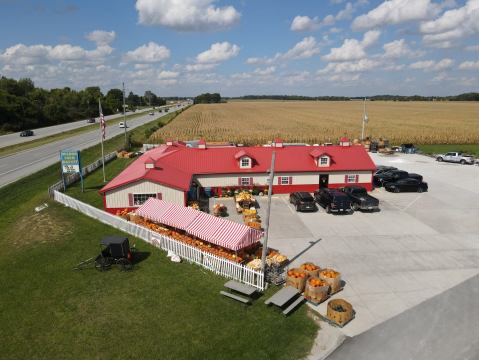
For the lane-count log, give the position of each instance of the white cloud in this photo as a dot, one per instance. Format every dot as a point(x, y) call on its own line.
point(303, 50)
point(199, 67)
point(306, 23)
point(267, 71)
point(218, 52)
point(432, 65)
point(472, 48)
point(186, 15)
point(395, 12)
point(469, 65)
point(398, 49)
point(454, 25)
point(353, 49)
point(350, 66)
point(101, 37)
point(148, 53)
point(164, 74)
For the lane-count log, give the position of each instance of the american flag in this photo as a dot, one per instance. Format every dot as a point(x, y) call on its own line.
point(102, 121)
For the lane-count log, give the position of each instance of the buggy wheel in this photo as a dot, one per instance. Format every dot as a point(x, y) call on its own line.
point(102, 264)
point(125, 265)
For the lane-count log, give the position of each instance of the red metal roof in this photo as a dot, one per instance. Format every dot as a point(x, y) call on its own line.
point(175, 165)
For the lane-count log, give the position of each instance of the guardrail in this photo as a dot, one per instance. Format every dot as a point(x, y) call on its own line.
point(189, 253)
point(73, 178)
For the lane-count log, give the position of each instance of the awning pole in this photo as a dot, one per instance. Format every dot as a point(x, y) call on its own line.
point(266, 222)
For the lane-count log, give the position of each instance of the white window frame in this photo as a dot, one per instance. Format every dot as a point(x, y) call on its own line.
point(245, 183)
point(248, 159)
point(141, 198)
point(353, 177)
point(326, 159)
point(284, 180)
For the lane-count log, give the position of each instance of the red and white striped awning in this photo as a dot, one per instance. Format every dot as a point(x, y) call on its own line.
point(222, 232)
point(235, 236)
point(153, 209)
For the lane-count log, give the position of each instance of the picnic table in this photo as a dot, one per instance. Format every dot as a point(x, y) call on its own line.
point(284, 296)
point(241, 288)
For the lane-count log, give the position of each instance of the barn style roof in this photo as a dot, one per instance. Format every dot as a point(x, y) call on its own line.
point(176, 164)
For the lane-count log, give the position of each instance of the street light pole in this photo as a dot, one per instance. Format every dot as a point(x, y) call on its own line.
point(266, 225)
point(124, 116)
point(365, 119)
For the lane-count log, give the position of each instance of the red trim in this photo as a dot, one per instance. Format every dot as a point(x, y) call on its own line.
point(357, 179)
point(250, 181)
point(104, 201)
point(290, 180)
point(130, 199)
point(239, 181)
point(159, 196)
point(345, 179)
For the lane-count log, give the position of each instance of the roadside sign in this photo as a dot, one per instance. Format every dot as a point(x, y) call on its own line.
point(71, 164)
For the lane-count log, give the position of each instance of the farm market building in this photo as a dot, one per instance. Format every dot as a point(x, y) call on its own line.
point(175, 172)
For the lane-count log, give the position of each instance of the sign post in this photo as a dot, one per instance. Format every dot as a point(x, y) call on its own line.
point(71, 164)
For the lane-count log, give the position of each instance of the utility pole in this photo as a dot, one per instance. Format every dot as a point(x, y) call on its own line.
point(365, 119)
point(124, 116)
point(266, 225)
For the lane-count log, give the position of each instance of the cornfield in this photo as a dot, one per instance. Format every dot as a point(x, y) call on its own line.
point(257, 122)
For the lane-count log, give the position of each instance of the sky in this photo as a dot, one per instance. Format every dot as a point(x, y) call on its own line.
point(187, 47)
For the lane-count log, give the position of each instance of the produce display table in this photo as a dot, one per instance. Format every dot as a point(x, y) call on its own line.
point(241, 288)
point(283, 296)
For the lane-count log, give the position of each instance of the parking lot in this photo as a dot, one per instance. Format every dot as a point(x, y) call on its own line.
point(416, 247)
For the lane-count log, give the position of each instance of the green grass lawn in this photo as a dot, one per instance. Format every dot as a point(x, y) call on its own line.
point(472, 149)
point(160, 310)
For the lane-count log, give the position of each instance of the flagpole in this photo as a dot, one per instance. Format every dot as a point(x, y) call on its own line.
point(364, 119)
point(102, 132)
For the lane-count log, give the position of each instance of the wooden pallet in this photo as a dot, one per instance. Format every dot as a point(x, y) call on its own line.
point(331, 322)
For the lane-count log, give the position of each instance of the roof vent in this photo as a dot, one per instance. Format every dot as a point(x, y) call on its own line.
point(278, 142)
point(169, 142)
point(344, 141)
point(202, 144)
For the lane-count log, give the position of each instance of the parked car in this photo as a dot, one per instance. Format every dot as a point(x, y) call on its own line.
point(122, 125)
point(406, 185)
point(152, 113)
point(333, 200)
point(393, 175)
point(27, 133)
point(360, 199)
point(408, 149)
point(382, 169)
point(302, 201)
point(456, 157)
point(91, 120)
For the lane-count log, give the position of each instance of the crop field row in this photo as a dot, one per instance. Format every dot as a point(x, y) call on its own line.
point(257, 122)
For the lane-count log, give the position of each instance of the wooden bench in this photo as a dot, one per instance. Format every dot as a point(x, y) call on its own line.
point(291, 307)
point(236, 297)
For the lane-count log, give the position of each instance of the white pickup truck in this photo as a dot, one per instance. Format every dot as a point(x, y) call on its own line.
point(456, 157)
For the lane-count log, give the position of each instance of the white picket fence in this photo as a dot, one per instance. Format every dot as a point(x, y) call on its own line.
point(189, 253)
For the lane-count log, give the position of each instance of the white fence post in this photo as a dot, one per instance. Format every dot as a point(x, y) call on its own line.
point(209, 261)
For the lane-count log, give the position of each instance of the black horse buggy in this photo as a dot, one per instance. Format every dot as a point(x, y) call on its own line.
point(114, 250)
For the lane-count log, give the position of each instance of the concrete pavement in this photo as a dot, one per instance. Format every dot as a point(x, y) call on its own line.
point(16, 166)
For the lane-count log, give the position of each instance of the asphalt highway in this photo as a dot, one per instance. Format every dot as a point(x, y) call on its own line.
point(15, 138)
point(16, 166)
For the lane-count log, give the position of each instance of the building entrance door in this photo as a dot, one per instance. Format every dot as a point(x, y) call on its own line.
point(323, 181)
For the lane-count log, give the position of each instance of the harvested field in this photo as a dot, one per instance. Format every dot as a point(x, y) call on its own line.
point(257, 122)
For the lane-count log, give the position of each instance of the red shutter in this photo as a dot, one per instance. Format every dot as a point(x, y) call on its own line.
point(345, 179)
point(159, 196)
point(279, 180)
point(251, 181)
point(357, 179)
point(130, 199)
point(290, 180)
point(239, 181)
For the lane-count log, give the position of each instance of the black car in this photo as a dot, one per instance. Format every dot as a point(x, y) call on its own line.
point(27, 133)
point(394, 175)
point(302, 201)
point(333, 200)
point(383, 169)
point(360, 199)
point(91, 120)
point(406, 185)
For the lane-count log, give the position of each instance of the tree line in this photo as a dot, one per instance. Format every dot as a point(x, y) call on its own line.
point(207, 98)
point(24, 106)
point(473, 96)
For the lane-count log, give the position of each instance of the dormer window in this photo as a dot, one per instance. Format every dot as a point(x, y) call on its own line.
point(245, 162)
point(323, 161)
